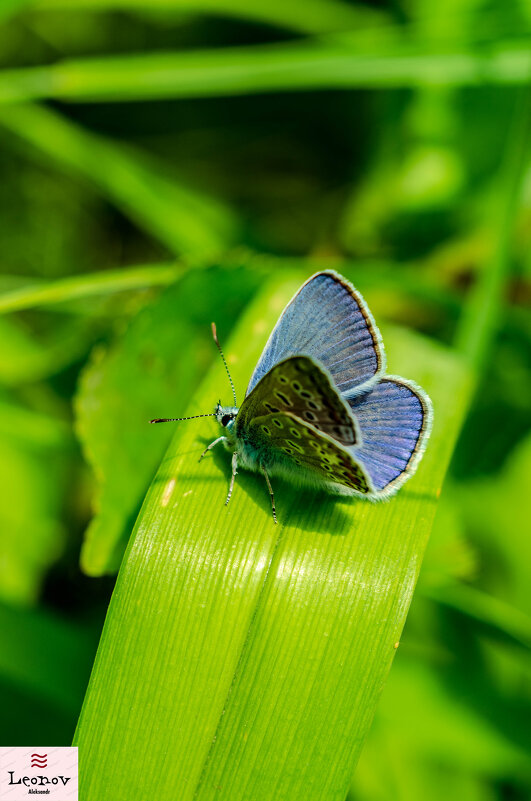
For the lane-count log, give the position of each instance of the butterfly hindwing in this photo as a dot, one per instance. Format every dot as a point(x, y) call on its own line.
point(328, 320)
point(301, 387)
point(283, 437)
point(395, 420)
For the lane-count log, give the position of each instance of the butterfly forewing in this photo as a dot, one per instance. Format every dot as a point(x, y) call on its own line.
point(298, 443)
point(299, 386)
point(329, 321)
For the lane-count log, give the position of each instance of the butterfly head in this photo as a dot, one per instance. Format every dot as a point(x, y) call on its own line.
point(226, 415)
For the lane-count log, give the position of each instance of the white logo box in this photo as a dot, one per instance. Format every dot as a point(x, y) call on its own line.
point(38, 772)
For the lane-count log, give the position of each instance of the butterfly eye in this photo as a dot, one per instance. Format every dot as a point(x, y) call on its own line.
point(225, 420)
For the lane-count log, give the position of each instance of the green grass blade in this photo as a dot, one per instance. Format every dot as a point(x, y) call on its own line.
point(9, 8)
point(26, 357)
point(480, 321)
point(88, 285)
point(252, 656)
point(45, 655)
point(318, 15)
point(266, 68)
point(185, 221)
point(499, 619)
point(32, 536)
point(24, 293)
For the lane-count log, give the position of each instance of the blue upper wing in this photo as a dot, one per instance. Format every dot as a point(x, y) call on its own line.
point(328, 320)
point(395, 419)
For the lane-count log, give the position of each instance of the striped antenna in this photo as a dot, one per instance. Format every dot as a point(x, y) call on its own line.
point(216, 340)
point(176, 419)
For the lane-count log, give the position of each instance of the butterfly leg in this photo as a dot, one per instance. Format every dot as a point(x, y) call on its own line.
point(271, 495)
point(234, 474)
point(212, 445)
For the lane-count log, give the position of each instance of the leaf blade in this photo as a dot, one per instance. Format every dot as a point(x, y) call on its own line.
point(204, 590)
point(266, 68)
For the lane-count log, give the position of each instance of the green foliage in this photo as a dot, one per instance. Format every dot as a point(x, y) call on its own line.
point(31, 535)
point(319, 15)
point(269, 68)
point(73, 288)
point(165, 348)
point(500, 523)
point(182, 219)
point(161, 162)
point(44, 667)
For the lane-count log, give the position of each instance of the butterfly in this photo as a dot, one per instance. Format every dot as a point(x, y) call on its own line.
point(319, 407)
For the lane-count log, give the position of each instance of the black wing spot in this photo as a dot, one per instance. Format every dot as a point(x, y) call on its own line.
point(266, 430)
point(295, 433)
point(283, 379)
point(296, 386)
point(283, 398)
point(277, 422)
point(310, 416)
point(295, 446)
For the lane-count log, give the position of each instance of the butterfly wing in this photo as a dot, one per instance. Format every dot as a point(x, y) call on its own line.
point(328, 320)
point(395, 419)
point(301, 387)
point(284, 439)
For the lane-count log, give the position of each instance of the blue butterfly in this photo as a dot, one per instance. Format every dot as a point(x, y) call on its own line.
point(319, 407)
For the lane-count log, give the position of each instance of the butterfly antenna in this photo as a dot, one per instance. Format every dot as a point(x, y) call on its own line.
point(216, 340)
point(175, 419)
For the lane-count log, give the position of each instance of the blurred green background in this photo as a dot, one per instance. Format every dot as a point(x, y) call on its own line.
point(169, 155)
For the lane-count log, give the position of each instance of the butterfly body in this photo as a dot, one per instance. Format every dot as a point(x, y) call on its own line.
point(297, 426)
point(319, 407)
